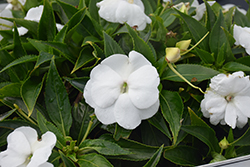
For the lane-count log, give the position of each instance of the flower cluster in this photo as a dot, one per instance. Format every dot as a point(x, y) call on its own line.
point(227, 100)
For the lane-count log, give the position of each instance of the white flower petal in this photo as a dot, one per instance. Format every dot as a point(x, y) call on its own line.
point(46, 164)
point(243, 104)
point(149, 112)
point(14, 139)
point(10, 158)
point(87, 94)
point(108, 9)
point(142, 85)
point(106, 86)
point(48, 139)
point(40, 156)
point(241, 120)
point(105, 115)
point(237, 31)
point(126, 114)
point(22, 30)
point(34, 14)
point(30, 133)
point(137, 60)
point(231, 115)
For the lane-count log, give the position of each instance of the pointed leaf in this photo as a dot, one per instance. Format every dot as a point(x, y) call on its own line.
point(235, 66)
point(155, 158)
point(172, 110)
point(94, 160)
point(10, 90)
point(67, 162)
point(78, 83)
point(244, 140)
point(211, 17)
point(240, 19)
point(111, 46)
point(57, 100)
point(205, 56)
point(121, 132)
point(42, 58)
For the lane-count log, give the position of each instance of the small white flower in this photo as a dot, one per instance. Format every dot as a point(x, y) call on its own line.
point(124, 11)
point(241, 36)
point(200, 8)
point(123, 89)
point(25, 150)
point(228, 6)
point(228, 100)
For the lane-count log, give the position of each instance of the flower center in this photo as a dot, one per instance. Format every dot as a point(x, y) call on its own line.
point(124, 88)
point(131, 1)
point(229, 98)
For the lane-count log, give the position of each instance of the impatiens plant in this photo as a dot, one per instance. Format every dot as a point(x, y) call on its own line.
point(123, 83)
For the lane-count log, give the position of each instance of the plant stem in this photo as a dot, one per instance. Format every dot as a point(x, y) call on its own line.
point(177, 73)
point(87, 131)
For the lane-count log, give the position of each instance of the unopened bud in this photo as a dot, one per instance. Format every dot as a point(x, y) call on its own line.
point(172, 54)
point(183, 45)
point(224, 143)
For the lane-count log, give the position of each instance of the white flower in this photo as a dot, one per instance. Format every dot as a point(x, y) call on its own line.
point(228, 100)
point(25, 150)
point(228, 6)
point(200, 8)
point(124, 11)
point(241, 36)
point(124, 90)
point(34, 14)
point(15, 4)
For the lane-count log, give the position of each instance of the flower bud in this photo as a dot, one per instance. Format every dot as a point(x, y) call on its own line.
point(172, 54)
point(183, 45)
point(224, 143)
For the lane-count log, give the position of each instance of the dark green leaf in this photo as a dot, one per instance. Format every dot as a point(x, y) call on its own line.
point(183, 155)
point(244, 140)
point(30, 91)
point(18, 50)
point(47, 23)
point(121, 133)
point(21, 60)
point(42, 58)
point(196, 29)
point(141, 46)
point(7, 114)
point(155, 158)
point(103, 147)
point(94, 160)
point(234, 66)
point(13, 124)
point(57, 100)
point(210, 16)
point(10, 90)
point(67, 162)
point(189, 71)
point(205, 56)
point(172, 110)
point(111, 46)
point(240, 19)
point(168, 17)
point(78, 83)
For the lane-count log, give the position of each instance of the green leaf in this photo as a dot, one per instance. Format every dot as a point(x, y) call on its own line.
point(78, 83)
point(30, 91)
point(93, 10)
point(218, 38)
point(93, 160)
point(121, 133)
point(240, 19)
point(103, 147)
point(84, 58)
point(158, 121)
point(7, 114)
point(60, 36)
point(45, 126)
point(57, 100)
point(217, 157)
point(68, 10)
point(172, 110)
point(13, 124)
point(244, 60)
point(141, 46)
point(10, 90)
point(183, 155)
point(205, 56)
point(47, 23)
point(155, 158)
point(21, 60)
point(189, 71)
point(42, 58)
point(244, 140)
point(18, 50)
point(234, 66)
point(196, 29)
point(205, 134)
point(111, 46)
point(67, 162)
point(221, 56)
point(168, 17)
point(139, 151)
point(210, 16)
point(195, 120)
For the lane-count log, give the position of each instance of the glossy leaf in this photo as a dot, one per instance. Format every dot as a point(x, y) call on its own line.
point(57, 100)
point(42, 58)
point(10, 90)
point(172, 110)
point(183, 155)
point(234, 66)
point(190, 71)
